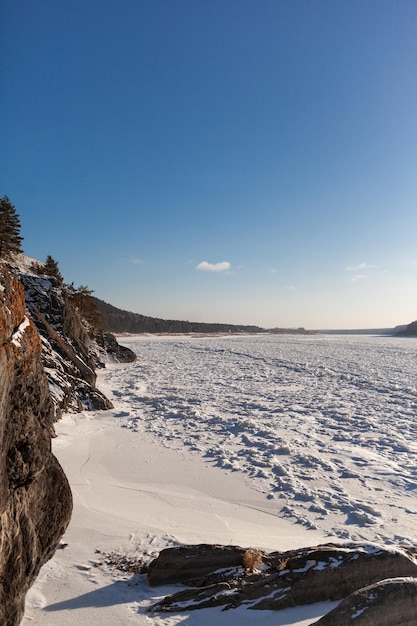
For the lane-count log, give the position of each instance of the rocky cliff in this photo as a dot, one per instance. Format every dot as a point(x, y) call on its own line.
point(71, 349)
point(35, 498)
point(48, 360)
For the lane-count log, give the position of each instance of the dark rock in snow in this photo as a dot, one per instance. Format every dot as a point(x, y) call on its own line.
point(391, 602)
point(174, 565)
point(112, 351)
point(285, 579)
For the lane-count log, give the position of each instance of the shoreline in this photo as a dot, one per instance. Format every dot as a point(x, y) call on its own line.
point(134, 496)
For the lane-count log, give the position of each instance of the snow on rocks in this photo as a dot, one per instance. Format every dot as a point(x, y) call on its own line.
point(215, 576)
point(18, 334)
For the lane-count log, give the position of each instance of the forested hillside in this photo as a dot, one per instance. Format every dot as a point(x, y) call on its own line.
point(409, 331)
point(119, 321)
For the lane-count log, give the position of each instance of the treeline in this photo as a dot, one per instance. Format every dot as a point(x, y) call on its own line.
point(116, 320)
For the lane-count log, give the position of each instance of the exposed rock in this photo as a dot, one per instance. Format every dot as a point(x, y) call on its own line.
point(391, 602)
point(295, 577)
point(68, 354)
point(112, 351)
point(183, 563)
point(71, 349)
point(35, 498)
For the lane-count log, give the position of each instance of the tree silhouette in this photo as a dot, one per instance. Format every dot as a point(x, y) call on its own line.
point(10, 239)
point(49, 268)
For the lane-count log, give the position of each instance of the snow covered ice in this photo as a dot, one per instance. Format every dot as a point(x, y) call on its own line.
point(272, 442)
point(325, 425)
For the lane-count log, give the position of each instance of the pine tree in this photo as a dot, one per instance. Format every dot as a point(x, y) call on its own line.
point(10, 239)
point(50, 268)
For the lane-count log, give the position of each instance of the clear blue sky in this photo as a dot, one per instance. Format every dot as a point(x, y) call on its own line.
point(219, 160)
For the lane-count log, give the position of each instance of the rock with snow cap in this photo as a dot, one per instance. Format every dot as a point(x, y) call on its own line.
point(284, 579)
point(391, 602)
point(72, 349)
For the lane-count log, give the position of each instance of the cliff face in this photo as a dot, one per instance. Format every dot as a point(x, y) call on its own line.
point(71, 349)
point(35, 498)
point(68, 355)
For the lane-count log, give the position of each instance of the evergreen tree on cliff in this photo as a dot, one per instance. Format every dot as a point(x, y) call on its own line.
point(50, 268)
point(10, 239)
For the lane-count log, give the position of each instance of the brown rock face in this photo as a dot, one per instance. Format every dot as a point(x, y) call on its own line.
point(35, 498)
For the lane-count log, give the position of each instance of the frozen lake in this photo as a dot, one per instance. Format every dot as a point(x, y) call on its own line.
point(325, 425)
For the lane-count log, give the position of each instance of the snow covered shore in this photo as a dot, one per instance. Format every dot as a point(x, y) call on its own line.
point(163, 468)
point(133, 496)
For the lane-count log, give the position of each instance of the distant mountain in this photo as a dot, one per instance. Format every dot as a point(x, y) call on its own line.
point(408, 331)
point(116, 320)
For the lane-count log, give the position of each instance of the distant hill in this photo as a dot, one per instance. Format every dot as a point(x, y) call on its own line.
point(119, 321)
point(408, 331)
point(361, 331)
point(116, 320)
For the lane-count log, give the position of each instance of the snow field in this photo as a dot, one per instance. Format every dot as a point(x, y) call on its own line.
point(325, 425)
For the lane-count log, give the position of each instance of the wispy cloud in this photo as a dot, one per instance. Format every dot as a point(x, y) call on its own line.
point(360, 267)
point(135, 261)
point(204, 266)
point(357, 277)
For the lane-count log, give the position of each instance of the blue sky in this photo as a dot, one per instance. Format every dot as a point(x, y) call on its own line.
point(218, 160)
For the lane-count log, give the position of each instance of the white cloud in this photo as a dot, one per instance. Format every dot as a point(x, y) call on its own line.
point(204, 266)
point(357, 277)
point(136, 261)
point(361, 266)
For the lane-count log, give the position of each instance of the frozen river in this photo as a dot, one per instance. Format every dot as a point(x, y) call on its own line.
point(325, 425)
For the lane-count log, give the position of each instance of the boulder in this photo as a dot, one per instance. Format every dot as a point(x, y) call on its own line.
point(184, 563)
point(391, 602)
point(216, 576)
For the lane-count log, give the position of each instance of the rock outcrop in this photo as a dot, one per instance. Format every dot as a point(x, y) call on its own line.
point(35, 498)
point(185, 563)
point(215, 576)
point(391, 602)
point(71, 349)
point(111, 351)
